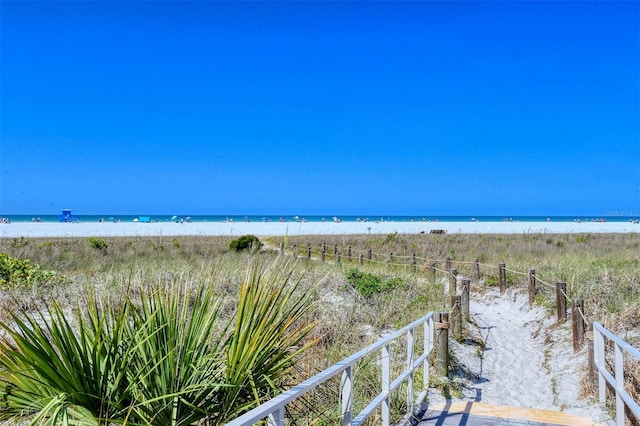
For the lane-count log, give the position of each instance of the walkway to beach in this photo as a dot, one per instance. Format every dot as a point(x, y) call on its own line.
point(514, 381)
point(478, 414)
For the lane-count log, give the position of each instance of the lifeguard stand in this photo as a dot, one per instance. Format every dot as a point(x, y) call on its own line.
point(67, 217)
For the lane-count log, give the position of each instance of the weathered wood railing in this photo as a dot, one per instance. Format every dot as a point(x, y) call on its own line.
point(459, 314)
point(274, 409)
point(615, 380)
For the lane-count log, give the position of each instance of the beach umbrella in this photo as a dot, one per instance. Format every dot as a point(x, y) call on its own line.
point(174, 218)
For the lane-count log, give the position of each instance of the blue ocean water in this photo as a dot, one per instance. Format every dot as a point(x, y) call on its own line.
point(611, 217)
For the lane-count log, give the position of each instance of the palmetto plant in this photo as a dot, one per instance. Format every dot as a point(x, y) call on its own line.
point(265, 338)
point(161, 357)
point(176, 367)
point(54, 371)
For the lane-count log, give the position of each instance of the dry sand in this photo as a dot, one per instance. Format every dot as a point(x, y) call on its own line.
point(106, 229)
point(528, 360)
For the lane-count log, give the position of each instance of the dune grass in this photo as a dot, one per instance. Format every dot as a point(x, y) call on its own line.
point(602, 269)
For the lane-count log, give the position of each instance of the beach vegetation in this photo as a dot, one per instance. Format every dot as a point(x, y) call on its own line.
point(17, 243)
point(98, 243)
point(16, 273)
point(245, 242)
point(158, 353)
point(584, 238)
point(44, 245)
point(603, 270)
point(390, 238)
point(491, 281)
point(367, 284)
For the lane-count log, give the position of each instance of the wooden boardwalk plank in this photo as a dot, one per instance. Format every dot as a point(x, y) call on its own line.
point(479, 414)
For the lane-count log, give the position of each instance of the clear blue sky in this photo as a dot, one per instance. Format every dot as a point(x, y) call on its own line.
point(416, 108)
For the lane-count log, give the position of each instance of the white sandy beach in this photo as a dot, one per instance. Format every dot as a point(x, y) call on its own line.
point(109, 229)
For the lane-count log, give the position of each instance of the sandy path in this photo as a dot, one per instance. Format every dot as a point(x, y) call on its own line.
point(527, 361)
point(512, 369)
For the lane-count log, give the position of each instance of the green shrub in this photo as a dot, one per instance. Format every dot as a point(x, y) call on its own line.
point(17, 243)
point(369, 284)
point(583, 238)
point(246, 242)
point(395, 282)
point(491, 281)
point(16, 272)
point(98, 243)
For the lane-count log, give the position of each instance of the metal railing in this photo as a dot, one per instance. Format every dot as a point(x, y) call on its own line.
point(616, 381)
point(274, 409)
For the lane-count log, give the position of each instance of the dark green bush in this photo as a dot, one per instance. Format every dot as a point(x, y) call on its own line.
point(369, 284)
point(98, 243)
point(246, 242)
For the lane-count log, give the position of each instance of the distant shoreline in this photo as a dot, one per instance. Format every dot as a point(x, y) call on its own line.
point(607, 216)
point(132, 229)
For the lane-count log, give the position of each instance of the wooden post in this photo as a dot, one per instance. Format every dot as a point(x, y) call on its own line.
point(532, 287)
point(281, 248)
point(295, 250)
point(464, 299)
point(309, 253)
point(593, 380)
point(349, 252)
point(390, 257)
point(456, 317)
point(577, 323)
point(442, 342)
point(433, 270)
point(502, 274)
point(561, 301)
point(369, 254)
point(476, 268)
point(323, 253)
point(338, 258)
point(335, 249)
point(360, 259)
point(447, 264)
point(453, 281)
point(413, 262)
